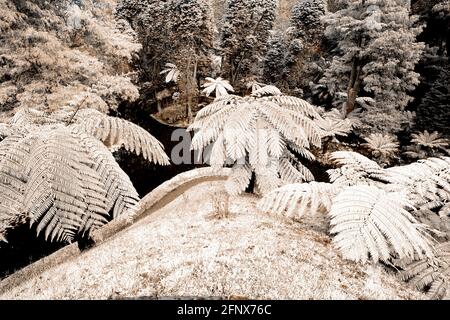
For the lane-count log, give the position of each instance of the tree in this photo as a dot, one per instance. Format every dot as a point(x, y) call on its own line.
point(244, 37)
point(62, 53)
point(306, 20)
point(171, 31)
point(434, 111)
point(376, 56)
point(260, 134)
point(58, 174)
point(296, 52)
point(179, 32)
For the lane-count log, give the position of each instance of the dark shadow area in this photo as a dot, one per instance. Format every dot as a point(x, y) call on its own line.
point(23, 248)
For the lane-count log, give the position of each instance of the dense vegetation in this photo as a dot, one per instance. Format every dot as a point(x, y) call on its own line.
point(354, 94)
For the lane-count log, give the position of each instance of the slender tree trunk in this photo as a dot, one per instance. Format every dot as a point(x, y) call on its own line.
point(354, 83)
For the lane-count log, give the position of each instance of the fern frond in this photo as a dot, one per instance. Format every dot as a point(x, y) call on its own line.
point(426, 180)
point(369, 221)
point(13, 153)
point(239, 179)
point(267, 178)
point(53, 194)
point(296, 200)
point(121, 196)
point(431, 273)
point(116, 132)
point(297, 105)
point(355, 169)
point(432, 140)
point(267, 90)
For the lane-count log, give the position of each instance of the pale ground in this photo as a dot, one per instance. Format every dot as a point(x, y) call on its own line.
point(185, 250)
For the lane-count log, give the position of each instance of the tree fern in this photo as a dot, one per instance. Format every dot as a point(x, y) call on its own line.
point(369, 222)
point(61, 178)
point(261, 131)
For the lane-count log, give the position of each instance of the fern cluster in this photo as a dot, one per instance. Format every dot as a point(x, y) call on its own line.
point(61, 178)
point(260, 133)
point(377, 213)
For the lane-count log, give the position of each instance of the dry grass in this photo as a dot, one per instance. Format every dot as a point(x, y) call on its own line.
point(185, 250)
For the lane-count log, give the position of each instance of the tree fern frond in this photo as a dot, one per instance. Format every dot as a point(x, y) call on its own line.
point(430, 273)
point(13, 153)
point(296, 200)
point(355, 169)
point(267, 178)
point(239, 132)
point(116, 132)
point(216, 105)
point(53, 194)
point(267, 90)
point(297, 105)
point(369, 221)
point(121, 196)
point(239, 179)
point(432, 140)
point(218, 153)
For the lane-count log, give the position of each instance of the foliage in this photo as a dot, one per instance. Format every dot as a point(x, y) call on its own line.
point(306, 19)
point(431, 274)
point(425, 144)
point(244, 37)
point(297, 53)
point(433, 113)
point(370, 221)
point(219, 86)
point(174, 30)
point(60, 177)
point(258, 134)
point(376, 56)
point(62, 54)
point(172, 73)
point(383, 147)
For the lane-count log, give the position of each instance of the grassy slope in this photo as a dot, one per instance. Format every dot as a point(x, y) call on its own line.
point(185, 250)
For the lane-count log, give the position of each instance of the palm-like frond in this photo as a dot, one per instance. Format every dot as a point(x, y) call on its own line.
point(368, 221)
point(172, 73)
point(267, 90)
point(115, 132)
point(334, 123)
point(260, 131)
point(383, 146)
point(296, 200)
point(431, 274)
point(354, 169)
point(425, 181)
point(220, 86)
point(432, 140)
point(63, 181)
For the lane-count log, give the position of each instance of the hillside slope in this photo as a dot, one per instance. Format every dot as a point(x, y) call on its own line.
point(184, 249)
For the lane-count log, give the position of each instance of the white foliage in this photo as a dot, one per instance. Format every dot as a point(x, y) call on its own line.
point(369, 221)
point(220, 86)
point(259, 131)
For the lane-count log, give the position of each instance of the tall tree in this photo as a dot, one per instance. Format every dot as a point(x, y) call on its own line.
point(376, 55)
point(175, 31)
point(244, 38)
point(291, 59)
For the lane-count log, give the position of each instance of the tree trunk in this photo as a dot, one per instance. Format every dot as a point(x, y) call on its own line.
point(354, 82)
